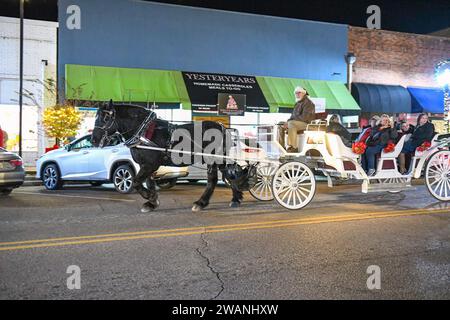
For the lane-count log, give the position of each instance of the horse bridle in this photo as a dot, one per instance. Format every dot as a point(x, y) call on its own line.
point(109, 120)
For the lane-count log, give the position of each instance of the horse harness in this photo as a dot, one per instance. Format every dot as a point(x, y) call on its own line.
point(144, 134)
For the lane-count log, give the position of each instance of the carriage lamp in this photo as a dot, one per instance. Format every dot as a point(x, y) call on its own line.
point(442, 71)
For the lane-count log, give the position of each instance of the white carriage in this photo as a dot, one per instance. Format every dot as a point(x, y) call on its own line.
point(293, 183)
point(289, 178)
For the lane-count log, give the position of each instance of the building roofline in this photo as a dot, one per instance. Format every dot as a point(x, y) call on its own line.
point(239, 13)
point(402, 33)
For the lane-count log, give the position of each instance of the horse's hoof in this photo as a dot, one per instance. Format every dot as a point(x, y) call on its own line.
point(235, 204)
point(196, 208)
point(146, 208)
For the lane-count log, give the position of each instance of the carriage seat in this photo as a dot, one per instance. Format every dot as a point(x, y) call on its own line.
point(337, 148)
point(397, 150)
point(317, 116)
point(437, 137)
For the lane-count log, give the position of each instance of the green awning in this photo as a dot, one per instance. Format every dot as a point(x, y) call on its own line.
point(279, 92)
point(125, 85)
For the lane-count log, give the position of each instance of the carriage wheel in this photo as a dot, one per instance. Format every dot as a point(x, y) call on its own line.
point(437, 175)
point(294, 185)
point(262, 190)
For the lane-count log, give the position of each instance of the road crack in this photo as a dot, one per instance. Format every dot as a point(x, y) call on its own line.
point(208, 264)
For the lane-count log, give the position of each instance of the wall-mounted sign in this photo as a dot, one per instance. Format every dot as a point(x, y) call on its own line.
point(204, 108)
point(231, 104)
point(263, 109)
point(204, 88)
point(319, 103)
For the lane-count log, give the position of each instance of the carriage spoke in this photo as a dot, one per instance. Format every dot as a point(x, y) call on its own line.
point(442, 186)
point(434, 182)
point(437, 187)
point(285, 194)
point(304, 195)
point(304, 189)
point(446, 188)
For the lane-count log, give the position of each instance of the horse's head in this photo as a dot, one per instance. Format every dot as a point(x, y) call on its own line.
point(105, 125)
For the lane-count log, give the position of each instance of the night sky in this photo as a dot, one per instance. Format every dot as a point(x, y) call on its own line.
point(415, 16)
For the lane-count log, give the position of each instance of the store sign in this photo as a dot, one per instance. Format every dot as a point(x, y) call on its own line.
point(204, 90)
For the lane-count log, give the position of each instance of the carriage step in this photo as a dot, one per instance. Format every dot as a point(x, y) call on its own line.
point(388, 187)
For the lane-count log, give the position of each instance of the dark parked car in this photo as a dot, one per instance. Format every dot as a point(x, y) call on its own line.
point(12, 173)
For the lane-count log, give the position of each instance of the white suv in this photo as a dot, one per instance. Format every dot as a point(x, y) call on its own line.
point(80, 161)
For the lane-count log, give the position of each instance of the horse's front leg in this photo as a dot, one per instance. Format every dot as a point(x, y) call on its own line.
point(148, 193)
point(153, 201)
point(139, 180)
point(206, 196)
point(237, 196)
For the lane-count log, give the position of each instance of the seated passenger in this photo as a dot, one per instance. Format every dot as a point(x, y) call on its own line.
point(336, 127)
point(378, 140)
point(303, 113)
point(405, 128)
point(424, 131)
point(365, 133)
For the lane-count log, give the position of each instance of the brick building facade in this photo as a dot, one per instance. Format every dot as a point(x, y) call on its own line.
point(386, 57)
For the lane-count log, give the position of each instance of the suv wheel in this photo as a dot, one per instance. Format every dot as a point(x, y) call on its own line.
point(51, 177)
point(123, 179)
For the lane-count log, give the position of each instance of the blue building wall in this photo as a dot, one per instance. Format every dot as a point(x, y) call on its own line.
point(136, 34)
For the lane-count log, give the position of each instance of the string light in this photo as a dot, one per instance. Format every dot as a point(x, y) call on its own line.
point(442, 72)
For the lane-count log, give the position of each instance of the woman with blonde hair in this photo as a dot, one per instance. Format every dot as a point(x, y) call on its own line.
point(379, 138)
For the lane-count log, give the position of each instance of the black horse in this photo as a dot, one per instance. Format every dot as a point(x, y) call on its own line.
point(139, 126)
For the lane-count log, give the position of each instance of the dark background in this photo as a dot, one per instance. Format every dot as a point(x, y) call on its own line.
point(414, 16)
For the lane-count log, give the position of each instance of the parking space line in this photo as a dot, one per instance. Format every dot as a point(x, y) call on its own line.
point(73, 196)
point(56, 242)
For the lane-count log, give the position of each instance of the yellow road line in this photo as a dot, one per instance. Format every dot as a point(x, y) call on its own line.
point(215, 229)
point(109, 235)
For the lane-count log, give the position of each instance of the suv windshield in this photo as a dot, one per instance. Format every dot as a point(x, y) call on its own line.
point(83, 143)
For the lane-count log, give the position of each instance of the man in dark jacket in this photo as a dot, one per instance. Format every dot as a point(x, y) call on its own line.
point(303, 113)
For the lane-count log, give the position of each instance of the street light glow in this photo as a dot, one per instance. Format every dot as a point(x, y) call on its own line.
point(443, 77)
point(442, 73)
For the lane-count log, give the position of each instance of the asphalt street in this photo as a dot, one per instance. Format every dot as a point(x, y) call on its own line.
point(257, 251)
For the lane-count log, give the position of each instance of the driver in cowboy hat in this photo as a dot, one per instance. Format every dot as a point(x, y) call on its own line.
point(303, 113)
